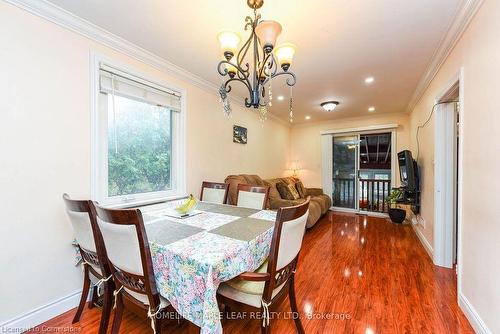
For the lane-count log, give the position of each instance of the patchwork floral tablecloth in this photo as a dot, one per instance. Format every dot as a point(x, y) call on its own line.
point(192, 256)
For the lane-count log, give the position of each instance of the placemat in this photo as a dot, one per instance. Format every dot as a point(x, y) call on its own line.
point(244, 229)
point(230, 210)
point(164, 232)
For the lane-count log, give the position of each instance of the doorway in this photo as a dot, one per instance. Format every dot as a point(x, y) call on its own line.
point(358, 170)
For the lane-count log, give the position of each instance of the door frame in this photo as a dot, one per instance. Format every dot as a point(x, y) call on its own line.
point(327, 163)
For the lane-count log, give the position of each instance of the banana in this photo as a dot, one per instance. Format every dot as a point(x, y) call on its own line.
point(188, 206)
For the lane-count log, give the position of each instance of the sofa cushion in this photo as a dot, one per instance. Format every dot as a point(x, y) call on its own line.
point(273, 191)
point(293, 191)
point(323, 202)
point(284, 191)
point(300, 188)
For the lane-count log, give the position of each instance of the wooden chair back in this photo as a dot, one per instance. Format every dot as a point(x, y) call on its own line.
point(285, 246)
point(90, 243)
point(214, 192)
point(128, 252)
point(253, 197)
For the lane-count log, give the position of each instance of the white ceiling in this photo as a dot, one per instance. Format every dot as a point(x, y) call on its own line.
point(339, 43)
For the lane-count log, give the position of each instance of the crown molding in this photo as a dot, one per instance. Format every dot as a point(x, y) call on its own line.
point(456, 29)
point(68, 20)
point(72, 22)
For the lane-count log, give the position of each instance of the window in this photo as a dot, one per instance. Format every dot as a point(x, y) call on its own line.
point(138, 140)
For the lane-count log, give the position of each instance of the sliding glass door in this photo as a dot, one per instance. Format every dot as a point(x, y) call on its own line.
point(344, 173)
point(358, 170)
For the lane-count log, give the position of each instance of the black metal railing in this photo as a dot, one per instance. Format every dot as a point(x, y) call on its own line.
point(372, 194)
point(344, 193)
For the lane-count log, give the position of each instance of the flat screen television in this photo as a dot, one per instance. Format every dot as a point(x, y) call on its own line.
point(408, 171)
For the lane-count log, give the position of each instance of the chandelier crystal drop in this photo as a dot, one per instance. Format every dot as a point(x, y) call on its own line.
point(256, 63)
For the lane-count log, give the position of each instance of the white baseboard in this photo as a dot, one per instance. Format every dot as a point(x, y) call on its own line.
point(424, 242)
point(41, 314)
point(474, 319)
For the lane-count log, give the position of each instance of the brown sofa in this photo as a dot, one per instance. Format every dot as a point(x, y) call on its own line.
point(320, 203)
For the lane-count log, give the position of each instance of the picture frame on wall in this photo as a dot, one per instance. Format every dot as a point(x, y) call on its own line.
point(239, 134)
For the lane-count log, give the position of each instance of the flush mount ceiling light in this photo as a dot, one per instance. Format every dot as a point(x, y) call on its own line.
point(329, 105)
point(369, 80)
point(371, 109)
point(281, 98)
point(308, 118)
point(255, 69)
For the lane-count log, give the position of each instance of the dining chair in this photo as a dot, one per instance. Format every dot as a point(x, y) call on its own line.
point(94, 259)
point(266, 287)
point(131, 265)
point(214, 192)
point(253, 197)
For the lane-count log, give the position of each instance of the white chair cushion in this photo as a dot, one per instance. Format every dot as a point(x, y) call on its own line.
point(251, 200)
point(82, 229)
point(291, 237)
point(122, 246)
point(213, 195)
point(247, 292)
point(144, 298)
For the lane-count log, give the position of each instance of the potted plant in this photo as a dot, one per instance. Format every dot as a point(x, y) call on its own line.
point(396, 214)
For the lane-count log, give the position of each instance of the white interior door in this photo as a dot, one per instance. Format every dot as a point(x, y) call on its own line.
point(445, 161)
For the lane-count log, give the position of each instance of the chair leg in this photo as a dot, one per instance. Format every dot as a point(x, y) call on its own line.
point(94, 298)
point(293, 305)
point(85, 294)
point(106, 308)
point(118, 314)
point(265, 329)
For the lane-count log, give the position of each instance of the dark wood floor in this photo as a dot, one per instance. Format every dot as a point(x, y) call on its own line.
point(366, 274)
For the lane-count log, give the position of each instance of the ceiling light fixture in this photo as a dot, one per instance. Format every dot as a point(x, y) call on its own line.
point(257, 70)
point(281, 98)
point(369, 80)
point(330, 105)
point(371, 109)
point(308, 117)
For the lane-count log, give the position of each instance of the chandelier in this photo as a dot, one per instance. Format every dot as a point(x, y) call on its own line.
point(257, 73)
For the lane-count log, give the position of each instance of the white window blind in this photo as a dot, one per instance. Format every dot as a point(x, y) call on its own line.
point(139, 143)
point(113, 81)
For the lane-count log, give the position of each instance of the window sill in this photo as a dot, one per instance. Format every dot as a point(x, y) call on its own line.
point(140, 203)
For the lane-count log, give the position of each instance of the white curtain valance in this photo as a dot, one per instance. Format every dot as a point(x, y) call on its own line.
point(119, 83)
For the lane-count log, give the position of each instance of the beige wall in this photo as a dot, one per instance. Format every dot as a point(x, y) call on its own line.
point(478, 53)
point(306, 141)
point(45, 151)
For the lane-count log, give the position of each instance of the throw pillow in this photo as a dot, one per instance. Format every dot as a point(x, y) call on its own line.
point(284, 191)
point(300, 189)
point(293, 191)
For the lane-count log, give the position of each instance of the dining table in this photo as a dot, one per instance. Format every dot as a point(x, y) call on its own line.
point(193, 255)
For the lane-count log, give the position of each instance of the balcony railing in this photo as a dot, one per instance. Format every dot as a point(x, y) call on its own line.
point(372, 194)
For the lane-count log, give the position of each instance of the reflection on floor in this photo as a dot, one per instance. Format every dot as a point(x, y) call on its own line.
point(355, 275)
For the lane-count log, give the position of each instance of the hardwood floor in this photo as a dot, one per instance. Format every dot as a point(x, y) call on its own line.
point(355, 275)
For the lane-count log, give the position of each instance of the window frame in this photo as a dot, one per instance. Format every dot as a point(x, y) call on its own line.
point(99, 143)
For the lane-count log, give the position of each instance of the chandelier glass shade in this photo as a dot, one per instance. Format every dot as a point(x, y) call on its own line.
point(256, 63)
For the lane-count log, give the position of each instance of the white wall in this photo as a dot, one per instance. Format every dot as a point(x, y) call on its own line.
point(478, 53)
point(45, 151)
point(306, 141)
